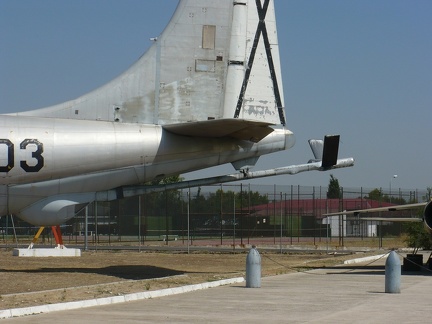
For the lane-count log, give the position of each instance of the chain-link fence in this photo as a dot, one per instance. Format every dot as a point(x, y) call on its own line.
point(230, 215)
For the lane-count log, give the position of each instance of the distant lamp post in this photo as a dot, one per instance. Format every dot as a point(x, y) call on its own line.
point(394, 177)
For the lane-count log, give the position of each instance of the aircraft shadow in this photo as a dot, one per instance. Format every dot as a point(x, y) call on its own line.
point(132, 272)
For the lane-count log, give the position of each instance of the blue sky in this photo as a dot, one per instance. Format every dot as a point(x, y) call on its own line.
point(361, 69)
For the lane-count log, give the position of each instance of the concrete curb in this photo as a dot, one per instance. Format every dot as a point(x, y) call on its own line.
point(365, 259)
point(16, 312)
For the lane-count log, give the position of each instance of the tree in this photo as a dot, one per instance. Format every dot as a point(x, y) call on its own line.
point(167, 180)
point(377, 195)
point(165, 206)
point(208, 207)
point(334, 190)
point(417, 237)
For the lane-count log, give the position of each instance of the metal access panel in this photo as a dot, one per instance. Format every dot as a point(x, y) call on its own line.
point(208, 36)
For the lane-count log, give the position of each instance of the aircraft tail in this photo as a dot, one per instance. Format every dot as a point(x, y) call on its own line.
point(214, 60)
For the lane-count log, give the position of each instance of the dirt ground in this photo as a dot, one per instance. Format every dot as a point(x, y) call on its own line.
point(26, 281)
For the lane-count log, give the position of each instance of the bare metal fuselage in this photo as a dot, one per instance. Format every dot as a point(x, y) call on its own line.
point(51, 157)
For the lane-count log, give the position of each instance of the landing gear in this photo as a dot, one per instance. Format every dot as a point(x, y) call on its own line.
point(57, 235)
point(35, 238)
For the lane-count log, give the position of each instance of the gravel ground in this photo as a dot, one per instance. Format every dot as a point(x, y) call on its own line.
point(26, 281)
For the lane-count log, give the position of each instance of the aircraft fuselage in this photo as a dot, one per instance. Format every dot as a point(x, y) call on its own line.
point(41, 157)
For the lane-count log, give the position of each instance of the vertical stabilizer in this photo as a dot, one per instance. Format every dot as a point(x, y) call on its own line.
point(214, 60)
point(261, 95)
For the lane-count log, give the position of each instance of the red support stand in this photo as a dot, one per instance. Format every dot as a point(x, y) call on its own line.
point(58, 236)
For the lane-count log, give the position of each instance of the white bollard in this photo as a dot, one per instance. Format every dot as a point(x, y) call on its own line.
point(253, 268)
point(392, 273)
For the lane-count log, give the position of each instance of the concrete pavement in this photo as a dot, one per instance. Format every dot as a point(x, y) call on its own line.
point(343, 294)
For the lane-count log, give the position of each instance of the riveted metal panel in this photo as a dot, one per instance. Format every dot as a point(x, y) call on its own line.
point(208, 36)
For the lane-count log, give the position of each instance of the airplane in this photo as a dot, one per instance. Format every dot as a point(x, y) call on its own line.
point(427, 214)
point(207, 92)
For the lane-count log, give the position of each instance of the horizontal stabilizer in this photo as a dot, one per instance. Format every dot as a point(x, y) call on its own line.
point(253, 131)
point(317, 149)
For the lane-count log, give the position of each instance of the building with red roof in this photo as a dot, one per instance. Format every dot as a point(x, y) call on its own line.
point(304, 217)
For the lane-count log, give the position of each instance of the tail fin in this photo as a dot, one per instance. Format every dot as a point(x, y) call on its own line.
point(325, 151)
point(214, 60)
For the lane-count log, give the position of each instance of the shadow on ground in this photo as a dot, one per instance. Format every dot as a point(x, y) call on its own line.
point(132, 272)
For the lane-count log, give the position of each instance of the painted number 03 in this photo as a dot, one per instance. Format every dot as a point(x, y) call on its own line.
point(36, 155)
